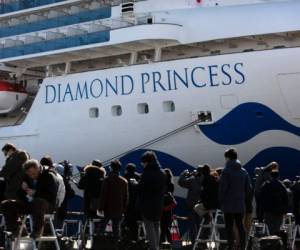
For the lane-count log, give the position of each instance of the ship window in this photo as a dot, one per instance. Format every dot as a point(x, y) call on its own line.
point(94, 112)
point(168, 106)
point(143, 108)
point(116, 110)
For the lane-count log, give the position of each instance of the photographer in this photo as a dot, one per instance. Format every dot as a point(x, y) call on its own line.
point(65, 168)
point(91, 182)
point(12, 171)
point(193, 182)
point(37, 196)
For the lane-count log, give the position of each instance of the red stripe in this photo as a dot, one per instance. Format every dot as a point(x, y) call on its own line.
point(6, 86)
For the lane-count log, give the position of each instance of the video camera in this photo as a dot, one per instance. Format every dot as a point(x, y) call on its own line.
point(68, 169)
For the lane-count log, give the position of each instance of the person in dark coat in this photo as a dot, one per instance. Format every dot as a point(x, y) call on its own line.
point(262, 175)
point(296, 201)
point(192, 181)
point(37, 197)
point(235, 186)
point(274, 198)
point(91, 182)
point(132, 215)
point(150, 201)
point(166, 218)
point(12, 171)
point(113, 199)
point(210, 187)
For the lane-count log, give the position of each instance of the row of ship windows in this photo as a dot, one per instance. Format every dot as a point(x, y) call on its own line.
point(142, 108)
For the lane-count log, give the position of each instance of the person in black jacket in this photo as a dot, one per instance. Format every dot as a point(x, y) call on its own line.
point(151, 190)
point(37, 197)
point(210, 186)
point(166, 218)
point(91, 182)
point(274, 198)
point(12, 171)
point(131, 214)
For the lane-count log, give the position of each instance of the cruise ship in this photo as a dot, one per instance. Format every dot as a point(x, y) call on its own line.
point(86, 79)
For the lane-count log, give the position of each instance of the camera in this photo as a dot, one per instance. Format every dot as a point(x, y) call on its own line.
point(68, 169)
point(191, 173)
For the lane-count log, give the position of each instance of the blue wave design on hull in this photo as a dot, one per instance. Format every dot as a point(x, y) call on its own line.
point(166, 161)
point(288, 159)
point(245, 122)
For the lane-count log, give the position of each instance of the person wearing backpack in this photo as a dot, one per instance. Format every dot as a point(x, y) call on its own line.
point(47, 161)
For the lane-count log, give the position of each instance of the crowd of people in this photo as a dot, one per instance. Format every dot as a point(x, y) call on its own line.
point(37, 187)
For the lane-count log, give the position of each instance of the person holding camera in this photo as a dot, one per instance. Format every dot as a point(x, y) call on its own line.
point(192, 181)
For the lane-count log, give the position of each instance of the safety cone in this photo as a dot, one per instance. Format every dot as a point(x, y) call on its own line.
point(108, 228)
point(175, 234)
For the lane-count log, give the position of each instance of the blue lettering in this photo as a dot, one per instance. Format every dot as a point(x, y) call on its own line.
point(68, 92)
point(156, 80)
point(226, 74)
point(183, 81)
point(198, 85)
point(212, 75)
point(99, 88)
point(145, 80)
point(113, 88)
point(48, 88)
point(238, 71)
point(81, 92)
point(59, 87)
point(169, 80)
point(123, 84)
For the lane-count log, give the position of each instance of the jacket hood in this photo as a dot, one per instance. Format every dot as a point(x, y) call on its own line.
point(234, 164)
point(153, 165)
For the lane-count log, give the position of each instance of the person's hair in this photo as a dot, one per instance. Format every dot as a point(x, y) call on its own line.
point(115, 165)
point(130, 167)
point(274, 174)
point(31, 164)
point(148, 157)
point(97, 163)
point(206, 169)
point(90, 166)
point(47, 161)
point(231, 154)
point(9, 146)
